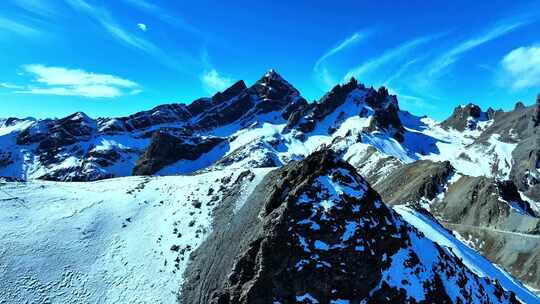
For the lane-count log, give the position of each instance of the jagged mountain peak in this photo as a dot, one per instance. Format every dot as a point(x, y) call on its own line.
point(519, 106)
point(273, 75)
point(270, 76)
point(80, 116)
point(470, 108)
point(466, 117)
point(273, 86)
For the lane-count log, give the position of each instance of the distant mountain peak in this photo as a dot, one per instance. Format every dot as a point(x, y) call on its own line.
point(465, 117)
point(272, 77)
point(79, 116)
point(272, 74)
point(519, 105)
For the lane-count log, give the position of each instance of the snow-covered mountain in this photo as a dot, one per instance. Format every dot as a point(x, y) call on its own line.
point(187, 201)
point(314, 231)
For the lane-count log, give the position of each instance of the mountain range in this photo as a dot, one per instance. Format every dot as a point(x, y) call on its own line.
point(255, 195)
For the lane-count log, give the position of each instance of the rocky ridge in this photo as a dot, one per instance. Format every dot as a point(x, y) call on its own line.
point(315, 232)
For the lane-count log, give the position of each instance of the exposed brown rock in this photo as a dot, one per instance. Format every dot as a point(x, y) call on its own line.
point(166, 149)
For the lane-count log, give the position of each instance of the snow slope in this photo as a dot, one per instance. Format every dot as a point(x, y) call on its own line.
point(426, 139)
point(472, 259)
point(124, 240)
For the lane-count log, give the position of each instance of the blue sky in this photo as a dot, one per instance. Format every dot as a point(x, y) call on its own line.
point(113, 58)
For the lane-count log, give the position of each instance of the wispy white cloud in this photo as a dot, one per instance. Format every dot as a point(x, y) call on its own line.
point(142, 27)
point(75, 82)
point(349, 41)
point(521, 67)
point(448, 58)
point(213, 81)
point(390, 56)
point(104, 18)
point(401, 71)
point(321, 70)
point(326, 77)
point(16, 27)
point(37, 7)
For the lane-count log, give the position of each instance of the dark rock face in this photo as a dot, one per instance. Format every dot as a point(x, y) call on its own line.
point(519, 127)
point(5, 159)
point(34, 134)
point(386, 114)
point(268, 94)
point(272, 87)
point(464, 118)
point(229, 93)
point(52, 134)
point(75, 174)
point(526, 158)
point(10, 121)
point(69, 130)
point(318, 111)
point(315, 232)
point(163, 114)
point(200, 105)
point(484, 202)
point(385, 109)
point(421, 180)
point(166, 149)
point(536, 115)
point(508, 191)
point(226, 114)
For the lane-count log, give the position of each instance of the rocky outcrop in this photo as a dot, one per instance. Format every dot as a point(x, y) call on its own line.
point(173, 114)
point(306, 118)
point(166, 149)
point(415, 182)
point(271, 93)
point(315, 232)
point(234, 90)
point(383, 108)
point(52, 134)
point(485, 202)
point(536, 114)
point(202, 104)
point(465, 118)
point(519, 127)
point(386, 114)
point(508, 192)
